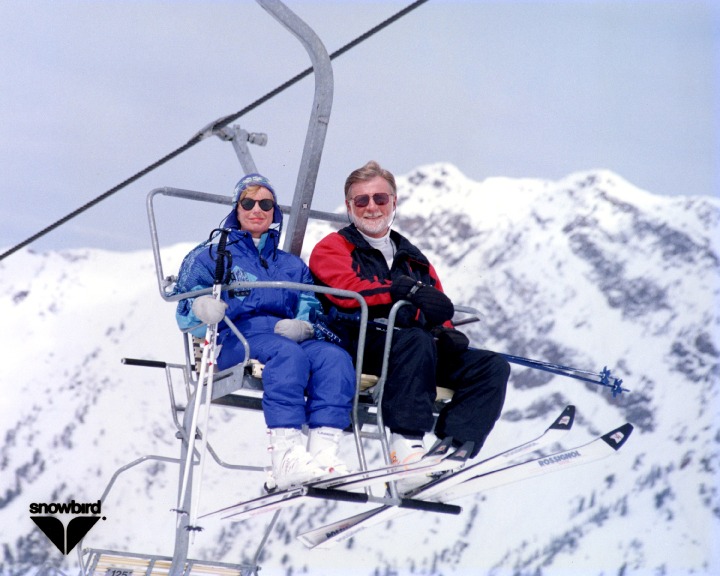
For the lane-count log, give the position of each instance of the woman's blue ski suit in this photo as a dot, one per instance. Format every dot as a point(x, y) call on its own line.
point(310, 382)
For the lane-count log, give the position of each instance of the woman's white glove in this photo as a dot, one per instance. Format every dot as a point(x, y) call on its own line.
point(297, 330)
point(209, 309)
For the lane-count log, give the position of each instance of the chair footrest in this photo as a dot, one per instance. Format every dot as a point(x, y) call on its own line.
point(109, 563)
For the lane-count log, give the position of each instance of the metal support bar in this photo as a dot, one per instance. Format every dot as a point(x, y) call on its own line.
point(239, 138)
point(165, 282)
point(317, 128)
point(361, 497)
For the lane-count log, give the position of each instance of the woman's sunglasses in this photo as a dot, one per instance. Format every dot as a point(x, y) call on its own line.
point(266, 204)
point(362, 200)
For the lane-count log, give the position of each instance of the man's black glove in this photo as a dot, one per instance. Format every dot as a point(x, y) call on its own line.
point(449, 340)
point(436, 307)
point(322, 332)
point(320, 323)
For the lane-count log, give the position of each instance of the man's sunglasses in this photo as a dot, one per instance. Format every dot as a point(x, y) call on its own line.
point(362, 200)
point(266, 204)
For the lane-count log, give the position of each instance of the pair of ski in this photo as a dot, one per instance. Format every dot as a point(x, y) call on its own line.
point(453, 484)
point(440, 458)
point(497, 470)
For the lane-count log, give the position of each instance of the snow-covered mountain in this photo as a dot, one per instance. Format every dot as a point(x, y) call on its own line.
point(588, 271)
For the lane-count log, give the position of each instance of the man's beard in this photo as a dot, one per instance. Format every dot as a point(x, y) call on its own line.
point(372, 227)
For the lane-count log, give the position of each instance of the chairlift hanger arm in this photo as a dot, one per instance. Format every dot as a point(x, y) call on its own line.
point(317, 128)
point(218, 124)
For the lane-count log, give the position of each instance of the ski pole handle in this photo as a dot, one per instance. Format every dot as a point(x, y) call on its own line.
point(333, 494)
point(146, 363)
point(426, 506)
point(221, 254)
point(410, 503)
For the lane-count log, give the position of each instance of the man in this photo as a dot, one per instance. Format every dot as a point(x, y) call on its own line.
point(370, 258)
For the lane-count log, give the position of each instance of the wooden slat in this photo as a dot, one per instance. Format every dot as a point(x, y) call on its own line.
point(157, 566)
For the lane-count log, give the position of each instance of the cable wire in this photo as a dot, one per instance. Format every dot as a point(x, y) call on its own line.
point(211, 129)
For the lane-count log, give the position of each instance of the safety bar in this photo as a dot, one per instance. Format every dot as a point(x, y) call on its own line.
point(164, 282)
point(307, 288)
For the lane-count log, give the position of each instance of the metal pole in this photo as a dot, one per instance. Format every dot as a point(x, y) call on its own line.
point(319, 119)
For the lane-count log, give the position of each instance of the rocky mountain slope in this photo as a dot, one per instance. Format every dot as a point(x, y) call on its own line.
point(587, 271)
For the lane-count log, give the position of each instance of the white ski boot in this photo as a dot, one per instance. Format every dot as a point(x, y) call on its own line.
point(323, 445)
point(406, 450)
point(292, 464)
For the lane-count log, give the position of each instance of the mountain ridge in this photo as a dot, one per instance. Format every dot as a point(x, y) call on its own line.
point(587, 271)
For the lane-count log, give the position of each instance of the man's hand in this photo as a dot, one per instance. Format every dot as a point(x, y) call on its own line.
point(450, 340)
point(435, 305)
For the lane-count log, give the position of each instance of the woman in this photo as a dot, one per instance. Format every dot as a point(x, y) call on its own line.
point(275, 323)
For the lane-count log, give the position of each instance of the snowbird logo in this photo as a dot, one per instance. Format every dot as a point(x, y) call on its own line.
point(65, 538)
point(617, 437)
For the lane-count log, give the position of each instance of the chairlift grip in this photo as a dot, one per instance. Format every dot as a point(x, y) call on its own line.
point(146, 363)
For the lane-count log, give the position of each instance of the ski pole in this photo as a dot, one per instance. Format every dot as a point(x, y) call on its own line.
point(220, 279)
point(604, 378)
point(205, 382)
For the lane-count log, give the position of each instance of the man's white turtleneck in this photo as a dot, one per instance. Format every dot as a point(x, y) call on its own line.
point(384, 244)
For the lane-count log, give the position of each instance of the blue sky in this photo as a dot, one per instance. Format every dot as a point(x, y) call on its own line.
point(93, 92)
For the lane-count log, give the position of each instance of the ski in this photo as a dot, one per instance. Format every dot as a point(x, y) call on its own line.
point(326, 536)
point(440, 458)
point(596, 449)
point(452, 489)
point(433, 463)
point(559, 428)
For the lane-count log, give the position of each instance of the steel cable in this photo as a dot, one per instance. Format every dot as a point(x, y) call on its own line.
point(211, 129)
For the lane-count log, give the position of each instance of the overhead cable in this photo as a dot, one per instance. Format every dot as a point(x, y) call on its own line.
point(210, 129)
